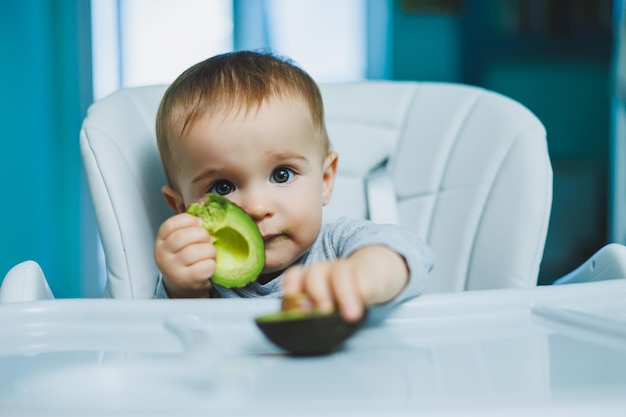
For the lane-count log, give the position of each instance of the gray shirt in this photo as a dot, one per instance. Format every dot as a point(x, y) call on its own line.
point(338, 240)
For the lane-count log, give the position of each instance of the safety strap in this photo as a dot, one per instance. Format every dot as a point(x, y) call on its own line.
point(381, 196)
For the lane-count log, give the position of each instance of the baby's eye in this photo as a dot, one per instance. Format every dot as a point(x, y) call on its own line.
point(282, 175)
point(221, 187)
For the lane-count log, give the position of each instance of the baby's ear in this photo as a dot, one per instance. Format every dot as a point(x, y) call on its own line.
point(328, 176)
point(173, 199)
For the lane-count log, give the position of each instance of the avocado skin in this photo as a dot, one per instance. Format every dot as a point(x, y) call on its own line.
point(307, 333)
point(231, 228)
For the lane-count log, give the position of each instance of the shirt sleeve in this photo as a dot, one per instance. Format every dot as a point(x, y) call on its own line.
point(347, 236)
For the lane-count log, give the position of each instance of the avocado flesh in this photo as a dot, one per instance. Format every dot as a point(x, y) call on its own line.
point(290, 315)
point(306, 333)
point(240, 251)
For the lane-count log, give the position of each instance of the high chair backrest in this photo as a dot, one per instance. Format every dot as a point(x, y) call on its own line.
point(465, 167)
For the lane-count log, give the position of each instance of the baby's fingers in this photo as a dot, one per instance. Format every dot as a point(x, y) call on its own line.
point(293, 281)
point(188, 239)
point(178, 222)
point(196, 252)
point(311, 281)
point(328, 285)
point(346, 293)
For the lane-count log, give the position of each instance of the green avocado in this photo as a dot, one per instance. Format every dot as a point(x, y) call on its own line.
point(240, 251)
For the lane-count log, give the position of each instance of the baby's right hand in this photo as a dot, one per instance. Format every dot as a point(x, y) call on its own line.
point(185, 255)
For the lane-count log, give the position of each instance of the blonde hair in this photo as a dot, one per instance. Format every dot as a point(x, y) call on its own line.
point(231, 81)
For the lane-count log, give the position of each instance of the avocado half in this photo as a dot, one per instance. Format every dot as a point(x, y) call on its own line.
point(240, 251)
point(307, 332)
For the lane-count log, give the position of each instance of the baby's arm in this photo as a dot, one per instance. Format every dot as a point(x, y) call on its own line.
point(370, 275)
point(185, 255)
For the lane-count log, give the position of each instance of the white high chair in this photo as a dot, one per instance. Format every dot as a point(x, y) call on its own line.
point(465, 167)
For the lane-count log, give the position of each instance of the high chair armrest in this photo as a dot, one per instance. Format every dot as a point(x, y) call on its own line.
point(607, 263)
point(25, 282)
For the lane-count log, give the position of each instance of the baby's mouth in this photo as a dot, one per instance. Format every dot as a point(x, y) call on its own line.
point(272, 238)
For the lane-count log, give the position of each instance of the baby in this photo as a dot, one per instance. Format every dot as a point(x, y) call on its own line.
point(250, 126)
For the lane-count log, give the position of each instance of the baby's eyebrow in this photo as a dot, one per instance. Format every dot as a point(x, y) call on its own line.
point(288, 155)
point(208, 173)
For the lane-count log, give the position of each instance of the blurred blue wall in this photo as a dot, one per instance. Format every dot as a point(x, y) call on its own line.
point(45, 46)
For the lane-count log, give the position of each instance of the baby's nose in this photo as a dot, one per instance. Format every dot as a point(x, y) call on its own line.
point(257, 206)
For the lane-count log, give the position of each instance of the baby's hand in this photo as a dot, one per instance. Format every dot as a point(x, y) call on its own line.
point(371, 275)
point(185, 255)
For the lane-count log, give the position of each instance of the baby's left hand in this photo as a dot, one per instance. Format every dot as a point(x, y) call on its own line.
point(371, 275)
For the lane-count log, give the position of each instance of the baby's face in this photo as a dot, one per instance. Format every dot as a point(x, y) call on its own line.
point(269, 162)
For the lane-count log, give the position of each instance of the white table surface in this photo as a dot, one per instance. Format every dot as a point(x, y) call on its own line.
point(553, 351)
